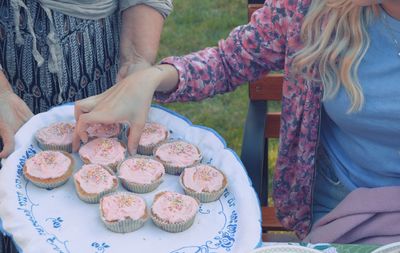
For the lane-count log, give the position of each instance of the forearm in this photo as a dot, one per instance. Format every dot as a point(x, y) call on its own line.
point(140, 34)
point(168, 78)
point(249, 52)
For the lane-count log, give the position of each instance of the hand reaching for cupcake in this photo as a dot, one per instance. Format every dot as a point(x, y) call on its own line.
point(126, 102)
point(13, 114)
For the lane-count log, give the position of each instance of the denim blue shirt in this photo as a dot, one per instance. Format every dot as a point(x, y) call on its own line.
point(364, 146)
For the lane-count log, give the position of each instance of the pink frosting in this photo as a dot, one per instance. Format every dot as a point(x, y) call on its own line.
point(60, 133)
point(103, 151)
point(103, 130)
point(203, 178)
point(48, 164)
point(93, 178)
point(152, 134)
point(141, 170)
point(121, 206)
point(174, 207)
point(178, 153)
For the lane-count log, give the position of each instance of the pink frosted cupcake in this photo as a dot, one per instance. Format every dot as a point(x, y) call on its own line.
point(174, 212)
point(203, 182)
point(123, 212)
point(104, 151)
point(177, 155)
point(103, 130)
point(153, 134)
point(57, 136)
point(49, 169)
point(93, 181)
point(141, 174)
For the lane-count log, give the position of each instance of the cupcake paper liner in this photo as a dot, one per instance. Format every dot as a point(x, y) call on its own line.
point(55, 182)
point(140, 188)
point(112, 166)
point(146, 150)
point(93, 198)
point(48, 185)
point(137, 187)
point(172, 227)
point(204, 197)
point(174, 170)
point(124, 226)
point(96, 197)
point(66, 148)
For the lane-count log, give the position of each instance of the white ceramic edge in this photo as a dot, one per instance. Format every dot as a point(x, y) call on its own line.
point(9, 228)
point(285, 247)
point(390, 246)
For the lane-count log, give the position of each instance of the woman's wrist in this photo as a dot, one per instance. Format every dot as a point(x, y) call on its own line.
point(168, 77)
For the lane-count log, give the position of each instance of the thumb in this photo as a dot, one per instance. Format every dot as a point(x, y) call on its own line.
point(135, 131)
point(80, 129)
point(7, 136)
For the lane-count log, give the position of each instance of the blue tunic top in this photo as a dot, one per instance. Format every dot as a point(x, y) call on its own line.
point(364, 147)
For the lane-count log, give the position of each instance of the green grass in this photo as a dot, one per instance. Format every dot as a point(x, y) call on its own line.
point(193, 26)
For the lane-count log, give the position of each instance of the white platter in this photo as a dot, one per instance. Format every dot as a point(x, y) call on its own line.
point(41, 221)
point(388, 248)
point(285, 249)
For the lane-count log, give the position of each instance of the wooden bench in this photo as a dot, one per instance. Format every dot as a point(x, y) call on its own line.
point(260, 127)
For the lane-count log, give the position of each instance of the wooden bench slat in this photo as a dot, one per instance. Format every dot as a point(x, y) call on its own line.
point(251, 8)
point(272, 125)
point(280, 237)
point(268, 87)
point(269, 220)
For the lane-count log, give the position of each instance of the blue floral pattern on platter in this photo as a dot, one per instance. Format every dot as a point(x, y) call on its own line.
point(224, 240)
point(56, 222)
point(100, 247)
point(226, 236)
point(52, 227)
point(26, 206)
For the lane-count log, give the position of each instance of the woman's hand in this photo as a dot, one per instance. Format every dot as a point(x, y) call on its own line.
point(13, 114)
point(128, 67)
point(126, 102)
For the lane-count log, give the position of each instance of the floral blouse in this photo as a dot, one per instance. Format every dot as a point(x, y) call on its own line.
point(267, 43)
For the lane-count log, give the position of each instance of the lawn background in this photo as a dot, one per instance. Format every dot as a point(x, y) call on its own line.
point(192, 26)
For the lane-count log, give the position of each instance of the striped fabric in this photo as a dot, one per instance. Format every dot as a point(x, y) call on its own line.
point(89, 62)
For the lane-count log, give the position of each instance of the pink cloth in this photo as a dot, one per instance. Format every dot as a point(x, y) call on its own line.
point(365, 216)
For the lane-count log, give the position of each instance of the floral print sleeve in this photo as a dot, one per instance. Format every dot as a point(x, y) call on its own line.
point(249, 51)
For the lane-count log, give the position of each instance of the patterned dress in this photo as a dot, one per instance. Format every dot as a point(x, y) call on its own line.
point(89, 61)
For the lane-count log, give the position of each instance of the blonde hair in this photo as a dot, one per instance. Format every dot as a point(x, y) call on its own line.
point(335, 39)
